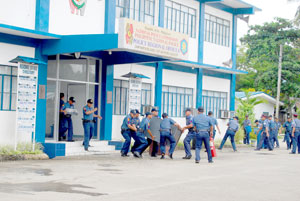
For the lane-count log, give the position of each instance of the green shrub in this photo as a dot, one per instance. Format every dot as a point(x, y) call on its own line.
point(22, 148)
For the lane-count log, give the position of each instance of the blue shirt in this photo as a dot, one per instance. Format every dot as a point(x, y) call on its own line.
point(272, 125)
point(87, 116)
point(214, 121)
point(265, 125)
point(202, 122)
point(277, 126)
point(234, 125)
point(135, 121)
point(246, 123)
point(145, 124)
point(68, 105)
point(189, 120)
point(167, 123)
point(288, 126)
point(296, 124)
point(126, 122)
point(61, 104)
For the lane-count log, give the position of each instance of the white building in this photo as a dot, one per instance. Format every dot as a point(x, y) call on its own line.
point(180, 45)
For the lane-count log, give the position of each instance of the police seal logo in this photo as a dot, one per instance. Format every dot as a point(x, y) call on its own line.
point(78, 6)
point(184, 46)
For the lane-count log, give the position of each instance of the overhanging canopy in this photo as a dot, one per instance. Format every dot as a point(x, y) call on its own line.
point(233, 6)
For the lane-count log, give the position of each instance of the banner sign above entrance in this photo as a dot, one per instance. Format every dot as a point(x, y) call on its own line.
point(152, 40)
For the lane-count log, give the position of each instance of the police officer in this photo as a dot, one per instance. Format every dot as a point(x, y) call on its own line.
point(125, 131)
point(296, 134)
point(247, 129)
point(215, 123)
point(62, 118)
point(233, 127)
point(88, 122)
point(154, 114)
point(264, 135)
point(272, 127)
point(145, 131)
point(204, 130)
point(288, 132)
point(69, 105)
point(138, 135)
point(191, 134)
point(165, 133)
point(277, 130)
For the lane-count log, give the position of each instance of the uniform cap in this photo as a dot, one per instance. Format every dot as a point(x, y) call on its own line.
point(236, 118)
point(147, 114)
point(164, 115)
point(188, 110)
point(72, 99)
point(295, 115)
point(133, 111)
point(270, 116)
point(90, 101)
point(154, 110)
point(137, 111)
point(200, 109)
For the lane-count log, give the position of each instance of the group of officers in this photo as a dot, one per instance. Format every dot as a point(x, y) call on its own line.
point(66, 110)
point(202, 128)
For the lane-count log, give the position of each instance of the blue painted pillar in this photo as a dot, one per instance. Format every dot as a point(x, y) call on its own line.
point(107, 85)
point(40, 128)
point(158, 86)
point(42, 15)
point(233, 76)
point(161, 19)
point(200, 54)
point(110, 16)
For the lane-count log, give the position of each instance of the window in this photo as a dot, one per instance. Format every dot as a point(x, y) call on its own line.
point(217, 30)
point(176, 99)
point(214, 101)
point(180, 18)
point(120, 94)
point(8, 87)
point(139, 10)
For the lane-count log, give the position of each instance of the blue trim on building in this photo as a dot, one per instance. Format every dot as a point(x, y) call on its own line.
point(199, 87)
point(158, 86)
point(42, 15)
point(54, 149)
point(41, 103)
point(233, 55)
point(235, 11)
point(74, 43)
point(110, 16)
point(216, 74)
point(106, 107)
point(169, 66)
point(161, 16)
point(18, 40)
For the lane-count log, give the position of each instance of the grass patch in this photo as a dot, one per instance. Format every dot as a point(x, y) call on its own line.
point(22, 149)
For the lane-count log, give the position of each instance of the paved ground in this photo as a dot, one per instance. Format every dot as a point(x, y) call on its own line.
point(242, 176)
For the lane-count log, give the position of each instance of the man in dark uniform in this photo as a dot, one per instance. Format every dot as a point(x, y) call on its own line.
point(247, 130)
point(125, 131)
point(203, 127)
point(264, 135)
point(190, 135)
point(88, 122)
point(155, 128)
point(288, 132)
point(145, 130)
point(233, 127)
point(165, 133)
point(296, 134)
point(62, 118)
point(215, 123)
point(277, 130)
point(69, 105)
point(272, 130)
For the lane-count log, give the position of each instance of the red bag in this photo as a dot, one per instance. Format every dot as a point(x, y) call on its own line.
point(212, 147)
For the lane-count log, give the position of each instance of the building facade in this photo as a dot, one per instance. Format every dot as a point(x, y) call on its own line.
point(83, 52)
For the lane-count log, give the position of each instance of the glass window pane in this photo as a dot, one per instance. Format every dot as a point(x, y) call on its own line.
point(14, 85)
point(92, 70)
point(73, 70)
point(6, 84)
point(50, 105)
point(14, 71)
point(13, 101)
point(51, 69)
point(6, 101)
point(5, 70)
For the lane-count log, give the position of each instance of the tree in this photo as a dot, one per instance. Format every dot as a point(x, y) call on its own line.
point(260, 52)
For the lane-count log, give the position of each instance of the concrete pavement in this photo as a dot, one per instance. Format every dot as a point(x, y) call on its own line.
point(242, 176)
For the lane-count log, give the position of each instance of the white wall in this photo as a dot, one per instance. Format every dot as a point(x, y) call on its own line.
point(20, 13)
point(263, 107)
point(63, 22)
point(216, 54)
point(8, 118)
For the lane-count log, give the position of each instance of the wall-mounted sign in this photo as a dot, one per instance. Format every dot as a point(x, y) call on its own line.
point(135, 92)
point(78, 6)
point(152, 40)
point(26, 99)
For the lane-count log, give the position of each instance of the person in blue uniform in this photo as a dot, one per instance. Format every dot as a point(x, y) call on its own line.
point(145, 131)
point(139, 138)
point(247, 130)
point(203, 127)
point(165, 133)
point(125, 131)
point(296, 134)
point(272, 130)
point(288, 132)
point(68, 117)
point(215, 123)
point(277, 131)
point(191, 133)
point(62, 118)
point(264, 135)
point(154, 114)
point(233, 127)
point(88, 122)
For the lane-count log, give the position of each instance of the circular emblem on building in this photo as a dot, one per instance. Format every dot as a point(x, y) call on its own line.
point(129, 33)
point(184, 46)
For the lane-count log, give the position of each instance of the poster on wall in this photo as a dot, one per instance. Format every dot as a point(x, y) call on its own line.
point(26, 100)
point(135, 93)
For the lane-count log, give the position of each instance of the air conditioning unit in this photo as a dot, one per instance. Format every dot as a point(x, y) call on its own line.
point(226, 114)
